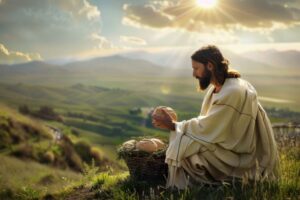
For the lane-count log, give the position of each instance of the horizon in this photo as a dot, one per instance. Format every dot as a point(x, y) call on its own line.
point(238, 50)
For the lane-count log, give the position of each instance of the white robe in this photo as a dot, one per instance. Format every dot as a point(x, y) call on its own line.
point(232, 137)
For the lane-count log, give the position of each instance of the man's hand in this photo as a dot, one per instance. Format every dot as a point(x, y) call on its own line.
point(163, 121)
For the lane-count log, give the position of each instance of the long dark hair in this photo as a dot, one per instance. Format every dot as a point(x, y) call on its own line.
point(213, 55)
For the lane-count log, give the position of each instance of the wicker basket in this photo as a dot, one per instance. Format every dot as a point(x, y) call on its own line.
point(144, 166)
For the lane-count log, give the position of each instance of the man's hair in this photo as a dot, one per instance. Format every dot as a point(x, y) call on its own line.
point(213, 55)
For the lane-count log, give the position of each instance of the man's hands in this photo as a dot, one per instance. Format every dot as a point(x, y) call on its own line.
point(163, 120)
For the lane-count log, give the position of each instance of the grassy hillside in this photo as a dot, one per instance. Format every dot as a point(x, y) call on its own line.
point(32, 153)
point(110, 185)
point(31, 179)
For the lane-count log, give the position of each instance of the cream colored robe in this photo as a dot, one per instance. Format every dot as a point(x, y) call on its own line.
point(231, 138)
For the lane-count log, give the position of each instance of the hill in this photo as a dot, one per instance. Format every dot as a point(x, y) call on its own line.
point(159, 74)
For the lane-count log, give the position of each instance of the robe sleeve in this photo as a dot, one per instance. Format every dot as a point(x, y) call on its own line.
point(204, 130)
point(215, 127)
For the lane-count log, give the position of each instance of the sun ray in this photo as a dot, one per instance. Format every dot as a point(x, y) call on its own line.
point(207, 4)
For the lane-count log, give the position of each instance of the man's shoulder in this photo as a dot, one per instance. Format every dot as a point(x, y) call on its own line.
point(234, 86)
point(234, 91)
point(238, 86)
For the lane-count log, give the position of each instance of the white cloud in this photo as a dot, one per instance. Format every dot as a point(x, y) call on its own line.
point(79, 8)
point(91, 12)
point(102, 42)
point(145, 16)
point(54, 28)
point(11, 57)
point(133, 40)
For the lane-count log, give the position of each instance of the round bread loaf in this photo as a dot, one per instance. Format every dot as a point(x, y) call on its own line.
point(146, 145)
point(159, 113)
point(160, 144)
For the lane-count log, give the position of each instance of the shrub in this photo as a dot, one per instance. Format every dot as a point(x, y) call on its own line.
point(48, 113)
point(97, 156)
point(24, 109)
point(25, 151)
point(84, 151)
point(48, 157)
point(6, 140)
point(70, 155)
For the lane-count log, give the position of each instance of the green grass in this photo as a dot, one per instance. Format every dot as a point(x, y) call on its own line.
point(24, 176)
point(108, 185)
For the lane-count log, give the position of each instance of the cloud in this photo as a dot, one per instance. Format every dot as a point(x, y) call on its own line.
point(133, 40)
point(227, 15)
point(54, 28)
point(11, 57)
point(102, 42)
point(79, 9)
point(147, 16)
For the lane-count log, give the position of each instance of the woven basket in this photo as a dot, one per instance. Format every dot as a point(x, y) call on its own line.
point(145, 166)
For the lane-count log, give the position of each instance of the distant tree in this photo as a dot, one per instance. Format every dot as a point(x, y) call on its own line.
point(148, 120)
point(24, 109)
point(117, 131)
point(75, 132)
point(47, 112)
point(135, 111)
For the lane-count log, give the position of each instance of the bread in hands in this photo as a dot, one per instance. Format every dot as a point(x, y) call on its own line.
point(159, 113)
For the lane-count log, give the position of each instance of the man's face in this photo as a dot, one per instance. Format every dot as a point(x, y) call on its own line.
point(201, 73)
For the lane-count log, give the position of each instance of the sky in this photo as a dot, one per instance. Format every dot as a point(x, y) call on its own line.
point(54, 29)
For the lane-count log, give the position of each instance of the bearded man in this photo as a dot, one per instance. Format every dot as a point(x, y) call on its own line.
point(232, 138)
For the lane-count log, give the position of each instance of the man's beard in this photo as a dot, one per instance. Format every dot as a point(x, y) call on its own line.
point(205, 80)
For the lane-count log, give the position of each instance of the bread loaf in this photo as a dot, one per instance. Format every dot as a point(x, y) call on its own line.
point(160, 144)
point(159, 113)
point(147, 145)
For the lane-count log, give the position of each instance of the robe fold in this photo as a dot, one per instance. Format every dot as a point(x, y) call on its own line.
point(231, 138)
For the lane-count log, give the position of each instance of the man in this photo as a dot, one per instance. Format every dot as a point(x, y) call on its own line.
point(231, 138)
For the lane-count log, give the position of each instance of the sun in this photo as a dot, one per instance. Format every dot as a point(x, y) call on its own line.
point(207, 3)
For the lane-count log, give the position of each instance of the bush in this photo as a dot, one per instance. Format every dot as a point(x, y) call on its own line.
point(70, 155)
point(97, 156)
point(84, 151)
point(25, 151)
point(7, 194)
point(48, 113)
point(24, 110)
point(48, 157)
point(6, 140)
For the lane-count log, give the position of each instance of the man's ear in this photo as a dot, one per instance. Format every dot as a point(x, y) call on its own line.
point(209, 66)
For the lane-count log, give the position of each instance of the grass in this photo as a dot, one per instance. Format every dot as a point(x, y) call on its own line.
point(108, 185)
point(30, 178)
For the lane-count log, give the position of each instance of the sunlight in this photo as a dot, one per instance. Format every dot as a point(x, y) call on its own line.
point(207, 4)
point(165, 89)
